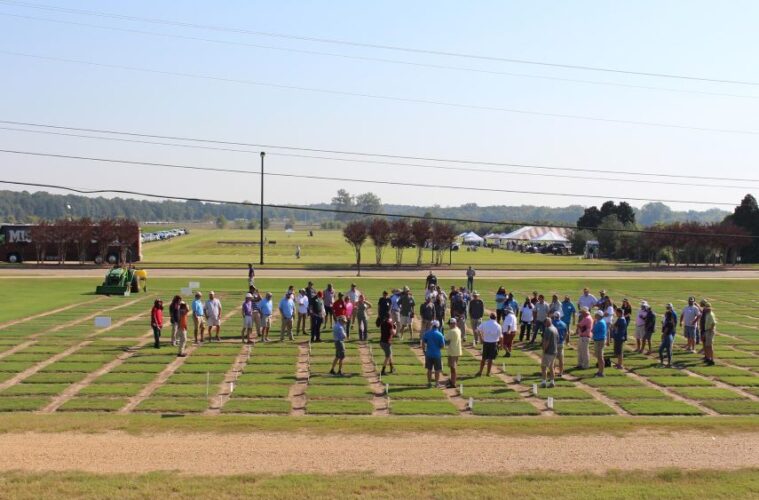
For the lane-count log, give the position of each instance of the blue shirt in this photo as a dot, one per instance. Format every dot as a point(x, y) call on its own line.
point(514, 305)
point(197, 308)
point(266, 307)
point(619, 329)
point(338, 332)
point(599, 330)
point(568, 309)
point(434, 341)
point(502, 304)
point(287, 306)
point(562, 328)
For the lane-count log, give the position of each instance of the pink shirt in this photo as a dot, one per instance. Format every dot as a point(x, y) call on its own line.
point(641, 319)
point(585, 325)
point(348, 308)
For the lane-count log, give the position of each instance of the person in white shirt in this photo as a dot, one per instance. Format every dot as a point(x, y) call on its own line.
point(509, 330)
point(586, 300)
point(491, 334)
point(302, 303)
point(213, 315)
point(689, 320)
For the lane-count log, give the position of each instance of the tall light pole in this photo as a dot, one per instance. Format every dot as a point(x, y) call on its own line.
point(262, 208)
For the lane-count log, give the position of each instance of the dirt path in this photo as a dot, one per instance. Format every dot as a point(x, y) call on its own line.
point(226, 387)
point(277, 453)
point(369, 370)
point(297, 393)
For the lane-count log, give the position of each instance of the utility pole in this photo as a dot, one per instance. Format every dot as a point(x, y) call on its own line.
point(262, 208)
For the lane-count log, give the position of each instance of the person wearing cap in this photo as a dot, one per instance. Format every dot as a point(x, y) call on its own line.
point(329, 298)
point(338, 336)
point(247, 318)
point(602, 300)
point(619, 335)
point(198, 318)
point(586, 300)
point(453, 341)
point(563, 330)
point(470, 274)
point(182, 330)
point(650, 329)
point(600, 331)
point(491, 333)
point(568, 313)
point(508, 329)
point(267, 309)
point(668, 326)
point(301, 305)
point(476, 312)
point(550, 344)
point(387, 332)
point(689, 319)
point(383, 307)
point(432, 346)
point(406, 304)
point(286, 312)
point(640, 326)
point(584, 333)
point(316, 313)
point(708, 324)
point(213, 315)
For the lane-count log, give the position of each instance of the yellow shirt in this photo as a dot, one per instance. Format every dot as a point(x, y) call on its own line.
point(453, 339)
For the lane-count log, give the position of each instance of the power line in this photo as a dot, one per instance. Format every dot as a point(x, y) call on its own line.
point(364, 181)
point(383, 60)
point(350, 153)
point(360, 212)
point(388, 163)
point(398, 48)
point(380, 97)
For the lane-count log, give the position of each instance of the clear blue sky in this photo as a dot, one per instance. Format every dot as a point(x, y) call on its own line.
point(700, 38)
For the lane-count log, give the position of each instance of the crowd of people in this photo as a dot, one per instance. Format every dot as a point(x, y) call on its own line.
point(591, 320)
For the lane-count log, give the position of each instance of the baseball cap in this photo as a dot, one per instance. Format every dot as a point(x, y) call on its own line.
point(670, 306)
point(435, 323)
point(508, 309)
point(248, 295)
point(556, 315)
point(644, 303)
point(599, 313)
point(452, 321)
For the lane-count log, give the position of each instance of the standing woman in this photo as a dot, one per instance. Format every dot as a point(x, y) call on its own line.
point(174, 318)
point(500, 303)
point(329, 298)
point(609, 317)
point(525, 318)
point(619, 333)
point(362, 315)
point(626, 310)
point(156, 321)
point(182, 329)
point(668, 326)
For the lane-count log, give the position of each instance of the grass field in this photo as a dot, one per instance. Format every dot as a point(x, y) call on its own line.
point(326, 249)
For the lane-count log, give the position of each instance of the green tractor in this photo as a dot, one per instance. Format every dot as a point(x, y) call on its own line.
point(122, 281)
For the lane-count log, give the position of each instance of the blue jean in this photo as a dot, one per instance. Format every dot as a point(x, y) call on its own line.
point(666, 347)
point(540, 327)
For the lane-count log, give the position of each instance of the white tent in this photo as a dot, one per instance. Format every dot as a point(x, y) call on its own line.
point(472, 238)
point(550, 237)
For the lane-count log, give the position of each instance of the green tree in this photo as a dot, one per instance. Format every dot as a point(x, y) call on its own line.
point(221, 222)
point(343, 202)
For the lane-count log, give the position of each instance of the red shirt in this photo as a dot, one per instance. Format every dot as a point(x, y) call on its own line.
point(585, 325)
point(156, 317)
point(338, 308)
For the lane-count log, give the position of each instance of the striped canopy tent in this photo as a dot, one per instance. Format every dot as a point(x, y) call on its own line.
point(550, 237)
point(530, 233)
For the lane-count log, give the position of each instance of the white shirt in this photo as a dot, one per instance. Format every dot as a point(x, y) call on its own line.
point(509, 324)
point(527, 314)
point(303, 304)
point(689, 315)
point(609, 315)
point(213, 308)
point(490, 330)
point(353, 295)
point(587, 301)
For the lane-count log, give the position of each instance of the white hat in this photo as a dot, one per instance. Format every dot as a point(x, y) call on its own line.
point(248, 295)
point(435, 323)
point(599, 313)
point(452, 321)
point(644, 303)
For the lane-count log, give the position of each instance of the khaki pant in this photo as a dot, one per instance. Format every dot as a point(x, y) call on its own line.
point(287, 327)
point(300, 326)
point(461, 323)
point(426, 326)
point(182, 339)
point(599, 350)
point(200, 324)
point(583, 352)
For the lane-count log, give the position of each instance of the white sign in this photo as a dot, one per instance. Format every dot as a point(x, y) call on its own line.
point(185, 291)
point(194, 285)
point(549, 403)
point(102, 321)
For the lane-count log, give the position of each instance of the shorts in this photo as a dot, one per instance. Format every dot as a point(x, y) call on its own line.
point(708, 338)
point(648, 335)
point(214, 321)
point(433, 364)
point(690, 332)
point(328, 310)
point(200, 322)
point(489, 350)
point(640, 332)
point(387, 348)
point(560, 350)
point(396, 317)
point(247, 322)
point(598, 348)
point(453, 361)
point(547, 360)
point(475, 323)
point(406, 320)
point(266, 321)
point(619, 346)
point(340, 350)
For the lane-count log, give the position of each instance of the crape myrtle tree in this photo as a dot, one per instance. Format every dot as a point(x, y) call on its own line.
point(355, 233)
point(421, 231)
point(401, 238)
point(442, 237)
point(380, 234)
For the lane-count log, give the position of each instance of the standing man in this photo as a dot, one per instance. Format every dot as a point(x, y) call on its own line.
point(563, 330)
point(453, 341)
point(491, 335)
point(432, 345)
point(640, 326)
point(286, 311)
point(539, 317)
point(352, 296)
point(509, 330)
point(568, 315)
point(708, 323)
point(476, 312)
point(383, 307)
point(427, 314)
point(329, 298)
point(406, 303)
point(550, 346)
point(470, 274)
point(689, 320)
point(199, 317)
point(339, 336)
point(267, 308)
point(182, 330)
point(387, 332)
point(247, 318)
point(395, 307)
point(599, 340)
point(458, 311)
point(586, 300)
point(430, 281)
point(251, 275)
point(300, 326)
point(317, 313)
point(584, 332)
point(213, 315)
